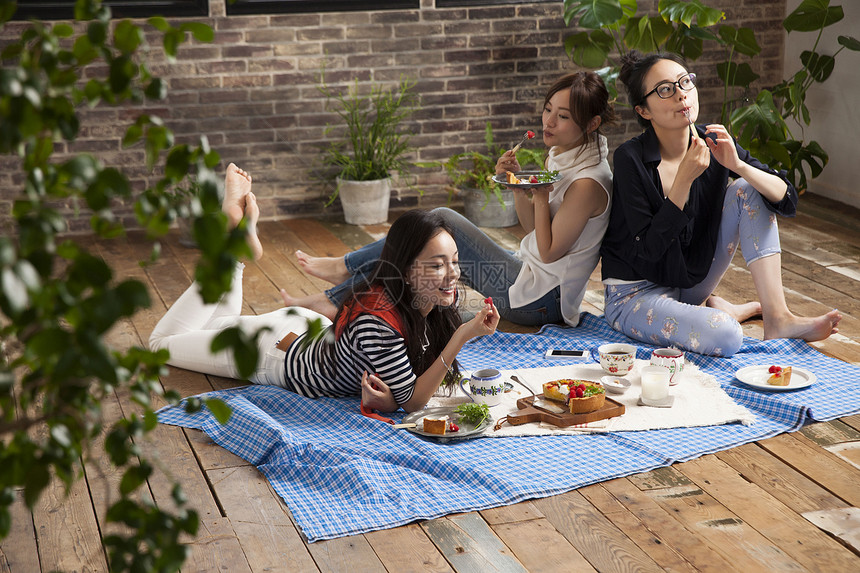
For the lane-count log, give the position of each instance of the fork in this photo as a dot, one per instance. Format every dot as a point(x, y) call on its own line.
point(526, 136)
point(692, 127)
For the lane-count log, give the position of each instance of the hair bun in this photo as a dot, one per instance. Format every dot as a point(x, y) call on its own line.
point(629, 61)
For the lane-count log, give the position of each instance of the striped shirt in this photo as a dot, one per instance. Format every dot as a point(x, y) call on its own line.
point(367, 343)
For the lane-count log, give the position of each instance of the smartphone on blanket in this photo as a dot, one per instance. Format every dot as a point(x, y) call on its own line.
point(569, 354)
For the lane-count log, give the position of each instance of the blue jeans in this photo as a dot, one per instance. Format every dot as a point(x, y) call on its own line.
point(484, 265)
point(667, 316)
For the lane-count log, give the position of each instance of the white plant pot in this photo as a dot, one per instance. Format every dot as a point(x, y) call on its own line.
point(489, 214)
point(364, 202)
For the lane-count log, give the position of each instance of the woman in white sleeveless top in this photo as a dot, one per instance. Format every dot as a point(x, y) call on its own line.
point(545, 280)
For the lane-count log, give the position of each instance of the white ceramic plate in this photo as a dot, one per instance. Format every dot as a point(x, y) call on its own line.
point(503, 179)
point(465, 431)
point(756, 376)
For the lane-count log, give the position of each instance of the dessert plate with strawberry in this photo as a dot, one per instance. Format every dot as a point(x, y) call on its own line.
point(443, 423)
point(527, 179)
point(776, 377)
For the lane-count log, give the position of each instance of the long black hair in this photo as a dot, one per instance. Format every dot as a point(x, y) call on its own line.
point(407, 237)
point(634, 67)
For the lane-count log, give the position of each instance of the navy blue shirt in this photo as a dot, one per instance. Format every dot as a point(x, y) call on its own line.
point(649, 237)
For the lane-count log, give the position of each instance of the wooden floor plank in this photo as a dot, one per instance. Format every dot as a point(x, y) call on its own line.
point(604, 546)
point(779, 523)
point(407, 548)
point(778, 479)
point(469, 544)
point(216, 548)
point(325, 244)
point(18, 551)
point(522, 511)
point(540, 547)
point(739, 543)
point(67, 531)
point(345, 555)
point(665, 529)
point(261, 520)
point(657, 548)
point(830, 433)
point(826, 469)
point(280, 241)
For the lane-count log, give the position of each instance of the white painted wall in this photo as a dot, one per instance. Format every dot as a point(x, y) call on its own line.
point(834, 106)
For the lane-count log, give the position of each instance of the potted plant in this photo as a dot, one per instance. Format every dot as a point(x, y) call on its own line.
point(374, 146)
point(485, 202)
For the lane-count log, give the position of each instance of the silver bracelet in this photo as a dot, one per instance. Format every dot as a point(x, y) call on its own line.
point(445, 364)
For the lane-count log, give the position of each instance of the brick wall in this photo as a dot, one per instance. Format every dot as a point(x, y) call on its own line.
point(253, 91)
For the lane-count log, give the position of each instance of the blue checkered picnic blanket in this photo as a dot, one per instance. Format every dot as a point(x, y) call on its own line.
point(342, 474)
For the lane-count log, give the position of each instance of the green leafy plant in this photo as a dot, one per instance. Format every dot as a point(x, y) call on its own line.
point(59, 300)
point(376, 143)
point(475, 169)
point(761, 123)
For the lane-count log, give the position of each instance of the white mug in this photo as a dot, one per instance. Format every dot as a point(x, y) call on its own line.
point(485, 386)
point(655, 383)
point(670, 358)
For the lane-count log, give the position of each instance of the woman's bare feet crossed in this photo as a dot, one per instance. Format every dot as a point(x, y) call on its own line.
point(240, 202)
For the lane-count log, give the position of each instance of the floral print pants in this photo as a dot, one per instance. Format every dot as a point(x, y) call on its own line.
point(668, 316)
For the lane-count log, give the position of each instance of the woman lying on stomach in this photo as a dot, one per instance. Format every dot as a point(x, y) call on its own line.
point(402, 326)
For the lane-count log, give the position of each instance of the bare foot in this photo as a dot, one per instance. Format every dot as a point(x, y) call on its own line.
point(316, 302)
point(252, 215)
point(808, 329)
point(331, 269)
point(739, 312)
point(237, 184)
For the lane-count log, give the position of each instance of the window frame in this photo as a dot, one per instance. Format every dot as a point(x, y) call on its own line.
point(65, 9)
point(478, 3)
point(241, 7)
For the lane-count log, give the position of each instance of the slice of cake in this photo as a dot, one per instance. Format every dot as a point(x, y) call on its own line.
point(779, 376)
point(436, 425)
point(557, 390)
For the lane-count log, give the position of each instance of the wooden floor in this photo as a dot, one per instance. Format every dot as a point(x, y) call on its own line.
point(745, 509)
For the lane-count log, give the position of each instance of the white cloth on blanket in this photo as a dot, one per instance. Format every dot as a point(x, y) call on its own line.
point(699, 401)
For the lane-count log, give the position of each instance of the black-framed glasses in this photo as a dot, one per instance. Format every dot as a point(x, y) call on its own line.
point(665, 90)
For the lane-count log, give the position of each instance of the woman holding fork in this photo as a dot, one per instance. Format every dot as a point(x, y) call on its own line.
point(676, 223)
point(545, 280)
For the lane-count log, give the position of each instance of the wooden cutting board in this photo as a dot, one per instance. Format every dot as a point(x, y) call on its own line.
point(528, 412)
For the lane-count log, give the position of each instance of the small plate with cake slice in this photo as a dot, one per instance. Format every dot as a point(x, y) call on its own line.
point(527, 179)
point(775, 377)
point(443, 423)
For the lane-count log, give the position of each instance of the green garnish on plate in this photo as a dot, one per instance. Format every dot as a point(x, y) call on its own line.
point(546, 176)
point(472, 413)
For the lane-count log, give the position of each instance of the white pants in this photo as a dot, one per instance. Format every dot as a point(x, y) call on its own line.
point(189, 326)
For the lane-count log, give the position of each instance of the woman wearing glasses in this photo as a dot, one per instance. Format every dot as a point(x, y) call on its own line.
point(676, 223)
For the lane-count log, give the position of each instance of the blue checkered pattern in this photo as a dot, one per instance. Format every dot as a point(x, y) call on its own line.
point(342, 474)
